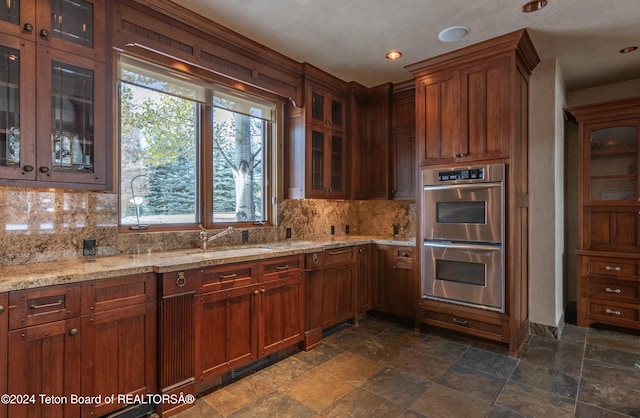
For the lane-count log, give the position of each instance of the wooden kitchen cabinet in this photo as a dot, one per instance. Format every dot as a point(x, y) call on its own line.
point(4, 334)
point(363, 279)
point(316, 151)
point(472, 105)
point(464, 113)
point(176, 336)
point(404, 164)
point(226, 327)
point(609, 212)
point(338, 286)
point(55, 135)
point(395, 281)
point(45, 350)
point(370, 134)
point(119, 341)
point(330, 283)
point(281, 318)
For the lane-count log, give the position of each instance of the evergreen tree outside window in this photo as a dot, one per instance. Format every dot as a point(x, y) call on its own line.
point(191, 152)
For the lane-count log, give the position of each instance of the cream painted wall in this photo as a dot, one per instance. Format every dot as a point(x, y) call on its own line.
point(546, 173)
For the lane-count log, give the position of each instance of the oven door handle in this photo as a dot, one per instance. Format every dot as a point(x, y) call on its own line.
point(471, 186)
point(463, 246)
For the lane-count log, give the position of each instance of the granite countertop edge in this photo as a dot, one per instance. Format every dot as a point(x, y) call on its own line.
point(29, 276)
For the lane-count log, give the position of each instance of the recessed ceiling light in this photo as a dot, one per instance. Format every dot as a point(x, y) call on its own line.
point(534, 6)
point(394, 55)
point(454, 33)
point(628, 49)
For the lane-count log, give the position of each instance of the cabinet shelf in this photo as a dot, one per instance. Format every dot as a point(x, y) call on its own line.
point(611, 152)
point(616, 177)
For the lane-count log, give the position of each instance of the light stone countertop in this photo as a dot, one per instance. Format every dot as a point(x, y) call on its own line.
point(29, 276)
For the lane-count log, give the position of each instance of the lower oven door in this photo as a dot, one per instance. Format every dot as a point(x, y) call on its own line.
point(464, 273)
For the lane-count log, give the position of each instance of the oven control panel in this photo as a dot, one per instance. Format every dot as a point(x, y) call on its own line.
point(466, 174)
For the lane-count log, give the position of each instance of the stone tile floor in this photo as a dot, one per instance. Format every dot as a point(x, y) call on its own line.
point(381, 369)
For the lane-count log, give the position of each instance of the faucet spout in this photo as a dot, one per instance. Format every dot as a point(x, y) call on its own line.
point(204, 239)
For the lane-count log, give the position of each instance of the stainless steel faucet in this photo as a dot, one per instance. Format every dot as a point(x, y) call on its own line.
point(203, 240)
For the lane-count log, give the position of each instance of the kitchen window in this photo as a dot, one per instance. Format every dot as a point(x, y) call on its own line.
point(192, 152)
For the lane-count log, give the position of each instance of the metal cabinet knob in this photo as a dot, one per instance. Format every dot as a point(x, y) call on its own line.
point(44, 33)
point(28, 27)
point(44, 169)
point(1, 308)
point(27, 168)
point(73, 332)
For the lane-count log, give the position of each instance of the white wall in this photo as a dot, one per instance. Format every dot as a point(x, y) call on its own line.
point(546, 200)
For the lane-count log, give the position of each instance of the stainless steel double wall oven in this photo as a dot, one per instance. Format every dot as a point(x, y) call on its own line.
point(463, 217)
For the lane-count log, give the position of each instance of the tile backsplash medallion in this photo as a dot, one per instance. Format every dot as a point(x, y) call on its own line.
point(43, 225)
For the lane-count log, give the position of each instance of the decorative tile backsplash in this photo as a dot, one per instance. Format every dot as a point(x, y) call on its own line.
point(49, 225)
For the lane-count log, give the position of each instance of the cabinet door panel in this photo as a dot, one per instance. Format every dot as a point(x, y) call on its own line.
point(45, 359)
point(119, 349)
point(72, 134)
point(485, 93)
point(438, 114)
point(4, 329)
point(611, 229)
point(17, 101)
point(280, 314)
point(225, 331)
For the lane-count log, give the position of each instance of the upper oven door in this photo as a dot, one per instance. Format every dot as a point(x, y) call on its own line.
point(463, 211)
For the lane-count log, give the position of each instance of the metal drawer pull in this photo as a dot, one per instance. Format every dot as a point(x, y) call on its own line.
point(47, 305)
point(609, 311)
point(609, 268)
point(610, 290)
point(228, 276)
point(457, 321)
point(339, 252)
point(280, 268)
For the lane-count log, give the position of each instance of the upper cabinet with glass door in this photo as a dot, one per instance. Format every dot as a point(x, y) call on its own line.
point(613, 161)
point(52, 120)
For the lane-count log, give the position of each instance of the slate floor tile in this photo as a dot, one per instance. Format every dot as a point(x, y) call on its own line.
point(498, 365)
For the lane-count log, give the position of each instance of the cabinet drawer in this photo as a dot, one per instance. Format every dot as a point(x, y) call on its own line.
point(494, 330)
point(338, 256)
point(613, 266)
point(614, 290)
point(313, 261)
point(280, 268)
point(118, 292)
point(43, 305)
point(179, 282)
point(403, 259)
point(612, 312)
point(227, 276)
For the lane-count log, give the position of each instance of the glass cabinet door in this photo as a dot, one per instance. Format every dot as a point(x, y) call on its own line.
point(613, 165)
point(71, 126)
point(73, 25)
point(337, 168)
point(17, 122)
point(317, 162)
point(17, 17)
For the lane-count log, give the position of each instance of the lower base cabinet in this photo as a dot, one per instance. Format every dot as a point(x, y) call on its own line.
point(395, 282)
point(44, 364)
point(4, 330)
point(330, 291)
point(214, 320)
point(71, 346)
point(119, 341)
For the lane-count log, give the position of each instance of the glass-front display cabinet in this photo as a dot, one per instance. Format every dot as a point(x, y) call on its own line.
point(613, 162)
point(52, 104)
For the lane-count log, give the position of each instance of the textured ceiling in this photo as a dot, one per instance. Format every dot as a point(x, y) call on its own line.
point(349, 38)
